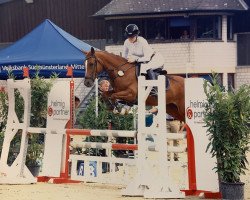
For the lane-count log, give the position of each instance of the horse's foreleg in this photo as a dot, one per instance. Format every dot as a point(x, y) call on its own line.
point(106, 98)
point(126, 95)
point(107, 95)
point(111, 102)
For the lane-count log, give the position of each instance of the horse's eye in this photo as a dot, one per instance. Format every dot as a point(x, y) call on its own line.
point(91, 64)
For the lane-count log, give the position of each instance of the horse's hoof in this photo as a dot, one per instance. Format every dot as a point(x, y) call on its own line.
point(128, 108)
point(115, 111)
point(123, 111)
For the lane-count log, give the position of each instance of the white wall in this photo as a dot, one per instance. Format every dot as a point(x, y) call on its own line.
point(194, 57)
point(242, 76)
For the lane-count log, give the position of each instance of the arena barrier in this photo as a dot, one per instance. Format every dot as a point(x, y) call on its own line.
point(108, 169)
point(17, 172)
point(152, 179)
point(143, 184)
point(121, 170)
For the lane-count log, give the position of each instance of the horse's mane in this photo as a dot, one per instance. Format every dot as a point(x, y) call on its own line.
point(112, 55)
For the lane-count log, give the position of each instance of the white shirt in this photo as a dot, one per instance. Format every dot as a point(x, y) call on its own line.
point(139, 50)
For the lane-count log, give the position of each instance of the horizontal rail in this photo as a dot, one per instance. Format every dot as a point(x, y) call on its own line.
point(102, 159)
point(176, 136)
point(99, 145)
point(36, 130)
point(108, 133)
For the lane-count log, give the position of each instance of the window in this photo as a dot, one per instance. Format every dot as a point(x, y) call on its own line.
point(170, 28)
point(230, 81)
point(209, 27)
point(243, 49)
point(156, 28)
point(177, 27)
point(115, 30)
point(230, 28)
point(110, 32)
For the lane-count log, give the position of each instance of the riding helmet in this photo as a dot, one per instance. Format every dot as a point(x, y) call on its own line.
point(131, 30)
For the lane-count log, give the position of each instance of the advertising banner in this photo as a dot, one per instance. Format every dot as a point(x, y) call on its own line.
point(195, 101)
point(57, 116)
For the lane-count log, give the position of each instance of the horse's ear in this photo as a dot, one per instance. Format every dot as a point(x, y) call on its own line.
point(92, 51)
point(84, 52)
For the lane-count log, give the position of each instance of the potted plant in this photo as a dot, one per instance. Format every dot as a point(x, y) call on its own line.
point(40, 89)
point(34, 154)
point(227, 115)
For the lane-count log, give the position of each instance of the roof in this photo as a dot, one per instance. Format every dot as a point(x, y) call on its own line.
point(135, 7)
point(46, 45)
point(4, 1)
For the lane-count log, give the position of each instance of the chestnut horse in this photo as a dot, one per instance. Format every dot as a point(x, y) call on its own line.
point(124, 82)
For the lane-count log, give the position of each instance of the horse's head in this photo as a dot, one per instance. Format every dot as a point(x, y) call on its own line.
point(92, 67)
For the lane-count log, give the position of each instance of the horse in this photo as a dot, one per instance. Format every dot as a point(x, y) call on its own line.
point(124, 82)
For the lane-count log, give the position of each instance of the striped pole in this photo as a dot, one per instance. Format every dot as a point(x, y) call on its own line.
point(117, 146)
point(99, 145)
point(108, 133)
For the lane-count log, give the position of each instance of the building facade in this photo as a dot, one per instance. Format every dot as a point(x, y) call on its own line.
point(210, 41)
point(19, 17)
point(217, 31)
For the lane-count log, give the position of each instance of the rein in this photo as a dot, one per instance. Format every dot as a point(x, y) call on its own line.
point(120, 72)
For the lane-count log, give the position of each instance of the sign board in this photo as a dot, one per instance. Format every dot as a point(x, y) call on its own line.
point(59, 105)
point(57, 117)
point(195, 101)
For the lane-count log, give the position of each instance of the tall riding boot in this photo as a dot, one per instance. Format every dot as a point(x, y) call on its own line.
point(151, 75)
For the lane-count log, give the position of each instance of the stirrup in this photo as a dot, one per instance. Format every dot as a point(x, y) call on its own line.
point(154, 92)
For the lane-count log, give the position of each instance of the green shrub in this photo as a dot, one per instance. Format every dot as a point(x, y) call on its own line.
point(119, 122)
point(227, 117)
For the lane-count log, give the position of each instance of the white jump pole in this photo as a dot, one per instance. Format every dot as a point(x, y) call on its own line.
point(152, 182)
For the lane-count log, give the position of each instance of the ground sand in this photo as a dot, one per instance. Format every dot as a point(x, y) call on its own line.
point(81, 191)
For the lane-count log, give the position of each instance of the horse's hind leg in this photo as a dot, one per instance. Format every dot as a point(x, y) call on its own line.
point(174, 111)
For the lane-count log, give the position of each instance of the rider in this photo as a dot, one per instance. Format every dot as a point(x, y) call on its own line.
point(137, 49)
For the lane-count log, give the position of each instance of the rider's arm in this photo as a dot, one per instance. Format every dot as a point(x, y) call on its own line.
point(147, 51)
point(125, 50)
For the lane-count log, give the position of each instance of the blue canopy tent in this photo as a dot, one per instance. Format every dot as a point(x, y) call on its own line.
point(47, 48)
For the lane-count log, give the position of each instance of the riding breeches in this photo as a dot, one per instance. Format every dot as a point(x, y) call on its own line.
point(157, 61)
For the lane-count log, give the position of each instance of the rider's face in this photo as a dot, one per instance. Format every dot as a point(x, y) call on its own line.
point(132, 39)
point(104, 86)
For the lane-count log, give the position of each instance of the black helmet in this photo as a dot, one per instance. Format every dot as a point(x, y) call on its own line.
point(131, 30)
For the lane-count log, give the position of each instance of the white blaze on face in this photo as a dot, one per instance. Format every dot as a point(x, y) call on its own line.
point(86, 64)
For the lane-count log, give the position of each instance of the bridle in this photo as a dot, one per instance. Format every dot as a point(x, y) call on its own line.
point(96, 60)
point(95, 67)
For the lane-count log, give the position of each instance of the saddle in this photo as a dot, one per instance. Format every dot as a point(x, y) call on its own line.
point(152, 74)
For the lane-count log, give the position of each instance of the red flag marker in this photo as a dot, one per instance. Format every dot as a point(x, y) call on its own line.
point(26, 72)
point(69, 71)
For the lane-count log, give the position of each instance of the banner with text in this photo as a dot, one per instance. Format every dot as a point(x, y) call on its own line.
point(195, 101)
